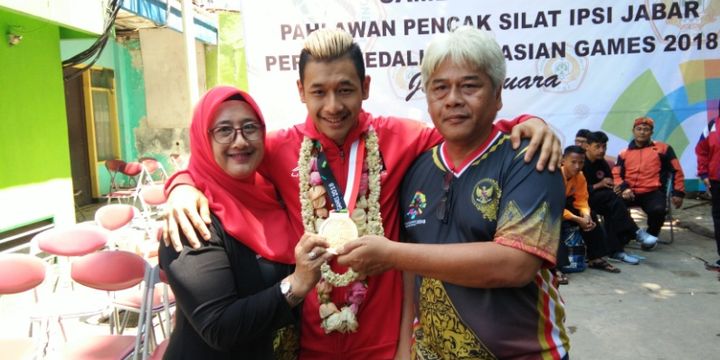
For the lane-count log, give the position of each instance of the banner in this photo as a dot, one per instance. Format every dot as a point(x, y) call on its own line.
point(576, 64)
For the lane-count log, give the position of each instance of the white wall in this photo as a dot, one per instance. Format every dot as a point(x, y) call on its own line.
point(84, 15)
point(29, 203)
point(165, 71)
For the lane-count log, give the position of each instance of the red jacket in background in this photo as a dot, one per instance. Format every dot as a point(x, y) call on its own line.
point(645, 169)
point(708, 153)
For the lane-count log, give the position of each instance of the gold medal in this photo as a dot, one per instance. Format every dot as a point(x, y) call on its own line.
point(338, 229)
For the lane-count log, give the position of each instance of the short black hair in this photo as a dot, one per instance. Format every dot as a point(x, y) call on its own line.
point(583, 133)
point(597, 137)
point(574, 149)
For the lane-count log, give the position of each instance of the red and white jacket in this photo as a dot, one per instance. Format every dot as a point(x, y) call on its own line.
point(707, 151)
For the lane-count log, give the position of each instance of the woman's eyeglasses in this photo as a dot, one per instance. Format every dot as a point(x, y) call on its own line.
point(226, 134)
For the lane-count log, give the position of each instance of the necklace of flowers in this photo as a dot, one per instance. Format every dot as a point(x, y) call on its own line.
point(366, 216)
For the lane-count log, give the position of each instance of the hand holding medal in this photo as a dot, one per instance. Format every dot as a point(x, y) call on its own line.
point(338, 229)
point(359, 214)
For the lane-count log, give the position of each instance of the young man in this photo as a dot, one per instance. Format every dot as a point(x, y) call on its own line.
point(581, 137)
point(333, 85)
point(576, 188)
point(483, 226)
point(577, 213)
point(708, 169)
point(619, 225)
point(642, 171)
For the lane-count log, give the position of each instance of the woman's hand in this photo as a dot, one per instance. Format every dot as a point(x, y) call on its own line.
point(310, 253)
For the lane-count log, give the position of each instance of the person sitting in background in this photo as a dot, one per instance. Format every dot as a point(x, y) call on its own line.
point(577, 214)
point(238, 292)
point(708, 169)
point(619, 226)
point(641, 174)
point(581, 137)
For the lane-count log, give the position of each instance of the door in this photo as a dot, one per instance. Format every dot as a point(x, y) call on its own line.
point(77, 139)
point(101, 123)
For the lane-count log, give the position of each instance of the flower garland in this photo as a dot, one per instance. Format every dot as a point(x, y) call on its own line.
point(366, 216)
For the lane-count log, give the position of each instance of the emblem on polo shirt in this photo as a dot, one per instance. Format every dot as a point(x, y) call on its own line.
point(415, 209)
point(486, 198)
point(417, 205)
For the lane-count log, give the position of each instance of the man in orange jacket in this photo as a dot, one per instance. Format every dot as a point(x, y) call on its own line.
point(641, 173)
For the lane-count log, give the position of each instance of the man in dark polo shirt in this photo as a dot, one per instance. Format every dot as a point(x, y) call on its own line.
point(619, 226)
point(482, 226)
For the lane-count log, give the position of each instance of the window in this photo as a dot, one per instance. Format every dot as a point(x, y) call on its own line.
point(103, 115)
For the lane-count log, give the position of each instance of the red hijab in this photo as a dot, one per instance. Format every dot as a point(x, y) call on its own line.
point(247, 208)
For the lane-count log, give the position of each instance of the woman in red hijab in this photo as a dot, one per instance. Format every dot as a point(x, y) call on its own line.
point(237, 291)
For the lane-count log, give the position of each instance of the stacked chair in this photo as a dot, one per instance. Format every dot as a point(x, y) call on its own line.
point(108, 271)
point(111, 282)
point(119, 191)
point(19, 273)
point(115, 218)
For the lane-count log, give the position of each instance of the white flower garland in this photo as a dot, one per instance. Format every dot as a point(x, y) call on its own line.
point(366, 216)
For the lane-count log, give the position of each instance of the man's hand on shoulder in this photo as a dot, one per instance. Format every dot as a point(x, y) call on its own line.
point(541, 136)
point(186, 209)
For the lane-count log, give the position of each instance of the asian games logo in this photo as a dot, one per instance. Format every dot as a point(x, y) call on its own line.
point(417, 205)
point(708, 12)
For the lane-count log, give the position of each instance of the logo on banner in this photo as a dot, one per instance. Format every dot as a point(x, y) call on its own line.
point(668, 124)
point(406, 82)
point(570, 70)
point(708, 12)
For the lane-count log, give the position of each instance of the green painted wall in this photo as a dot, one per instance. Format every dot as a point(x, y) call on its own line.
point(72, 47)
point(211, 66)
point(33, 126)
point(232, 67)
point(130, 86)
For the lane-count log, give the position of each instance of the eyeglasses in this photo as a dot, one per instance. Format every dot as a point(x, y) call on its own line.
point(443, 209)
point(226, 134)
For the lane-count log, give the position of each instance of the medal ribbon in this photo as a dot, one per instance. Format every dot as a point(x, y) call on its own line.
point(346, 201)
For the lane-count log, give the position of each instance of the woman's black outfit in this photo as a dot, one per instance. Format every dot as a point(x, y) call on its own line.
point(228, 299)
